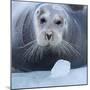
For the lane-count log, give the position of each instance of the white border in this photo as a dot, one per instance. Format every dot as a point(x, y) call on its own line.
point(5, 45)
point(62, 1)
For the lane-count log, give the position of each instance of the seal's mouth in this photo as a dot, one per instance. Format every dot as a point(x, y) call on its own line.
point(48, 45)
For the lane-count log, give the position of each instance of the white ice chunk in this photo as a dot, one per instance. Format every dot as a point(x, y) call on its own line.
point(61, 68)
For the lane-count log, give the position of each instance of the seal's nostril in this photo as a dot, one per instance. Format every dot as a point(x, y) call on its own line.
point(48, 36)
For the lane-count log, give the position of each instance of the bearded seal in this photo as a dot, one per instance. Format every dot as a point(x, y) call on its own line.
point(47, 33)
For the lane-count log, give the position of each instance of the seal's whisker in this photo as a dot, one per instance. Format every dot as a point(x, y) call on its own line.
point(59, 49)
point(30, 43)
point(32, 54)
point(36, 55)
point(28, 50)
point(63, 49)
point(67, 50)
point(71, 48)
point(40, 51)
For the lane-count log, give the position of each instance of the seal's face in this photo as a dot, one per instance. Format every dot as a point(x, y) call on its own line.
point(50, 23)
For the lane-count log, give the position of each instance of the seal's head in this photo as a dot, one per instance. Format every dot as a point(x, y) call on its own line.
point(50, 23)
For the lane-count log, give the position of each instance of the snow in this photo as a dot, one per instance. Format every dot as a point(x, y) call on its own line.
point(60, 69)
point(44, 79)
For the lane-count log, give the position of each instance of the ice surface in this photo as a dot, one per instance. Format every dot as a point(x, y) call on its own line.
point(43, 79)
point(60, 69)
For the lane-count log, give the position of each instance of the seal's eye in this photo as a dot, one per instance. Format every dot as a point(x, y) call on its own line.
point(42, 20)
point(58, 22)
